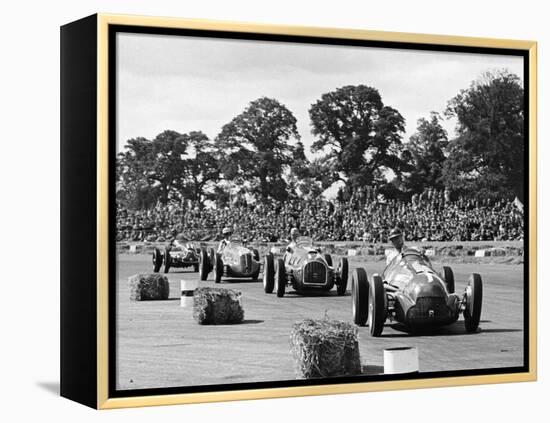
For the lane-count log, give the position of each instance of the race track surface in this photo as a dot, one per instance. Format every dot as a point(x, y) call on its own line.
point(160, 345)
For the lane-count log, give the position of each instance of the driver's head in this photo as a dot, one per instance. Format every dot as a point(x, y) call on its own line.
point(396, 238)
point(226, 232)
point(294, 234)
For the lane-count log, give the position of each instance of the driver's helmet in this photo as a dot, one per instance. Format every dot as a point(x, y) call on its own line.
point(394, 233)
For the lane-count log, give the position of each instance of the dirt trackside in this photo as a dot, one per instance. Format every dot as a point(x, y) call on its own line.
point(488, 252)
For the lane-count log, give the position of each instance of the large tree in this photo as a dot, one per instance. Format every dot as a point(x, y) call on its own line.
point(201, 168)
point(258, 146)
point(425, 151)
point(358, 135)
point(487, 156)
point(172, 165)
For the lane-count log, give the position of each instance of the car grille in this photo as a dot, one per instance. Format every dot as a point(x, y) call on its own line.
point(315, 272)
point(246, 262)
point(429, 310)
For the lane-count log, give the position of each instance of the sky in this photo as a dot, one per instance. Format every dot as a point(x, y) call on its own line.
point(199, 84)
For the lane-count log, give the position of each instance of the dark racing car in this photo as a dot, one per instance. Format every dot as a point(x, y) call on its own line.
point(411, 292)
point(176, 254)
point(237, 260)
point(305, 269)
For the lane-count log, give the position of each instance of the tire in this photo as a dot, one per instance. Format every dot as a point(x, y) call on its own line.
point(280, 277)
point(218, 268)
point(342, 276)
point(269, 274)
point(449, 278)
point(157, 260)
point(328, 259)
point(166, 260)
point(474, 299)
point(377, 305)
point(204, 265)
point(211, 259)
point(360, 296)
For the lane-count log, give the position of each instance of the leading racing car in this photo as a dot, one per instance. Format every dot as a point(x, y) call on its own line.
point(177, 253)
point(305, 269)
point(411, 292)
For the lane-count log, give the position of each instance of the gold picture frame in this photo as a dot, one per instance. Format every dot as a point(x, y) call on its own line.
point(102, 23)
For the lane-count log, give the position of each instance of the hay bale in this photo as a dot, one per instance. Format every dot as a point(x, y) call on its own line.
point(215, 306)
point(147, 287)
point(324, 348)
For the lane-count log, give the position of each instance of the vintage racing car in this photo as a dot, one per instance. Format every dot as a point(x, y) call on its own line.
point(305, 269)
point(411, 292)
point(235, 261)
point(177, 253)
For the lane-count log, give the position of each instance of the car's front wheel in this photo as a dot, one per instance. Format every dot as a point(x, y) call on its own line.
point(377, 306)
point(218, 268)
point(449, 277)
point(359, 296)
point(342, 276)
point(269, 274)
point(474, 298)
point(167, 261)
point(157, 260)
point(280, 277)
point(203, 265)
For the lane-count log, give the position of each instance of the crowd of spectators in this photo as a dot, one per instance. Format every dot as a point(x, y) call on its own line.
point(363, 216)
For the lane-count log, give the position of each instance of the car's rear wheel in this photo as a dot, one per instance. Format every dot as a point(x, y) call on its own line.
point(474, 298)
point(157, 260)
point(328, 259)
point(218, 268)
point(359, 296)
point(449, 277)
point(342, 273)
point(280, 277)
point(203, 265)
point(167, 261)
point(377, 305)
point(269, 273)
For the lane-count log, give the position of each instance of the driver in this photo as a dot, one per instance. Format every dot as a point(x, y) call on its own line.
point(226, 232)
point(396, 238)
point(294, 234)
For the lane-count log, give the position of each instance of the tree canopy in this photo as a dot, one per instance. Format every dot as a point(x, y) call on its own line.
point(259, 146)
point(425, 153)
point(487, 156)
point(358, 135)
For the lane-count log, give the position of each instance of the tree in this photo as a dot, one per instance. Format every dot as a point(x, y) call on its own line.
point(359, 136)
point(173, 165)
point(134, 190)
point(201, 168)
point(167, 165)
point(486, 159)
point(426, 155)
point(255, 148)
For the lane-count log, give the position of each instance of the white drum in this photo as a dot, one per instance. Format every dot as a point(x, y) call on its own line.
point(187, 292)
point(400, 360)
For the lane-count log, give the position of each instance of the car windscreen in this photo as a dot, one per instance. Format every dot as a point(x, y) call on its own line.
point(304, 241)
point(417, 261)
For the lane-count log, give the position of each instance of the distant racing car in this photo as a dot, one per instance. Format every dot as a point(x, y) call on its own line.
point(411, 292)
point(176, 254)
point(236, 260)
point(305, 269)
